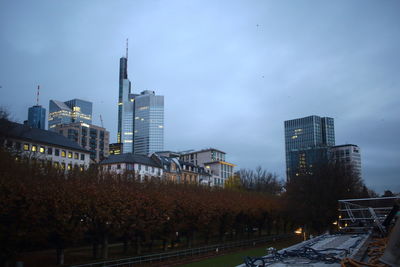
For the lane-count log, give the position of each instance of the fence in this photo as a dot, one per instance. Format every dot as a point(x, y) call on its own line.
point(364, 213)
point(183, 253)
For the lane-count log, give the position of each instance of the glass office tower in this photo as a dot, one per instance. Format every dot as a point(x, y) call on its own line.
point(75, 110)
point(125, 108)
point(140, 117)
point(306, 143)
point(149, 123)
point(37, 117)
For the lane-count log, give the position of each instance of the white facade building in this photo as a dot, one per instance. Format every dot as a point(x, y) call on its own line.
point(349, 155)
point(214, 161)
point(144, 166)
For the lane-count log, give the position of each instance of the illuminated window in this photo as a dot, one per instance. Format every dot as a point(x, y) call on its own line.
point(56, 164)
point(26, 147)
point(63, 154)
point(70, 155)
point(81, 168)
point(76, 156)
point(34, 148)
point(69, 167)
point(77, 109)
point(41, 149)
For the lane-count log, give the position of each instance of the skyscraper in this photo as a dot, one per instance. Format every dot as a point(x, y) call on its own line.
point(148, 123)
point(37, 117)
point(306, 143)
point(125, 107)
point(75, 110)
point(140, 116)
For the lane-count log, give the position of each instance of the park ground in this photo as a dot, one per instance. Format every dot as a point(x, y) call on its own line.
point(237, 257)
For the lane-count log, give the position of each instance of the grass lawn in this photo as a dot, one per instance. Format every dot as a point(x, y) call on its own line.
point(237, 258)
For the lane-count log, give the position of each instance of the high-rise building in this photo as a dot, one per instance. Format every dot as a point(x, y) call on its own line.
point(75, 110)
point(348, 156)
point(125, 108)
point(306, 143)
point(37, 117)
point(148, 123)
point(140, 117)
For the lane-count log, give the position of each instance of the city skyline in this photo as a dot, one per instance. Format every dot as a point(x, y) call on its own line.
point(232, 72)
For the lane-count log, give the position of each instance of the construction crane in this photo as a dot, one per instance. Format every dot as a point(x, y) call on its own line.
point(101, 120)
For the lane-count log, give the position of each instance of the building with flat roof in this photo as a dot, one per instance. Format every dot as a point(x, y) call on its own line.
point(94, 138)
point(306, 143)
point(37, 117)
point(349, 156)
point(213, 160)
point(43, 145)
point(140, 116)
point(75, 110)
point(148, 123)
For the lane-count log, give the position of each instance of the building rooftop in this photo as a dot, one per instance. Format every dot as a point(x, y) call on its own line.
point(130, 158)
point(220, 162)
point(24, 132)
point(202, 150)
point(344, 145)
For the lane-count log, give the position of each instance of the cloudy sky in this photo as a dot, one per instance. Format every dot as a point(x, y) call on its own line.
point(231, 71)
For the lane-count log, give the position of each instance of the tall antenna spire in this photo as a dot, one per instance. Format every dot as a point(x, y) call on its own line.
point(37, 95)
point(126, 49)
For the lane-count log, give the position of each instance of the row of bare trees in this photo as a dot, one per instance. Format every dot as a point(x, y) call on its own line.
point(44, 208)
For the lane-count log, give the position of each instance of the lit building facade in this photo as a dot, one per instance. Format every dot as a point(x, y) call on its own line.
point(91, 137)
point(349, 156)
point(125, 108)
point(37, 117)
point(306, 143)
point(213, 160)
point(140, 117)
point(148, 123)
point(44, 146)
point(75, 110)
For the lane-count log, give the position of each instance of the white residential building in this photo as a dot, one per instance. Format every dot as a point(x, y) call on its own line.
point(144, 166)
point(213, 160)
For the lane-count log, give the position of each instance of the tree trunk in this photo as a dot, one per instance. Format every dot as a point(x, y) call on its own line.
point(138, 245)
point(189, 240)
point(285, 226)
point(60, 256)
point(164, 244)
point(95, 249)
point(126, 244)
point(151, 244)
point(104, 246)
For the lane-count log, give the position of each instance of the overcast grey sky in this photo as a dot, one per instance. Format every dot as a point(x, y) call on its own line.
point(231, 71)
